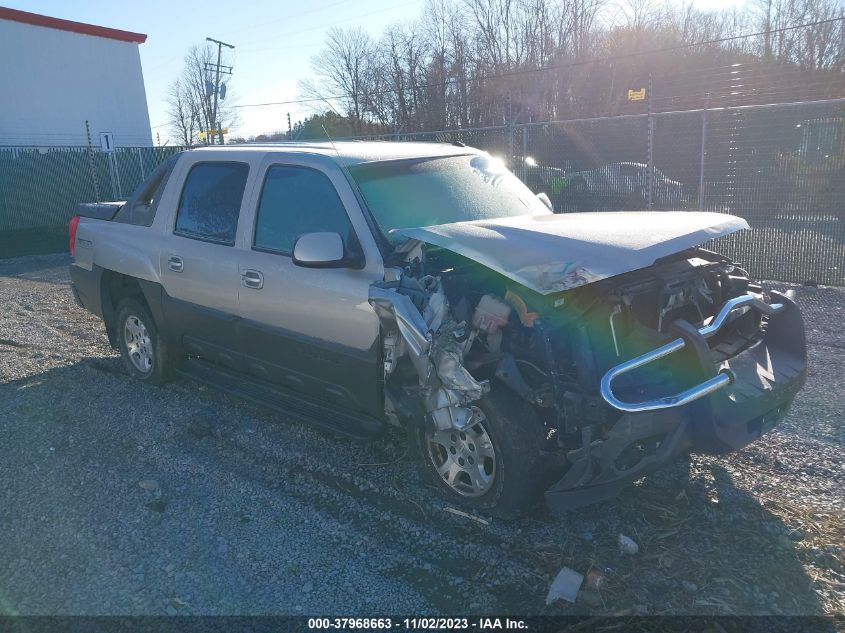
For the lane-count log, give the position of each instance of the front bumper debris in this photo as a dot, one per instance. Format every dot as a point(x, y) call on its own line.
point(764, 379)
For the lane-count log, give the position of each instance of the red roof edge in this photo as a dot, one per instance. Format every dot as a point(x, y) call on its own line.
point(37, 19)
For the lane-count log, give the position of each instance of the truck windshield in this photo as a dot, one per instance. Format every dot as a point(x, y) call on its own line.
point(426, 191)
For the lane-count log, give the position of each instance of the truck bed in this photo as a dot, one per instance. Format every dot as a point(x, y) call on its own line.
point(99, 210)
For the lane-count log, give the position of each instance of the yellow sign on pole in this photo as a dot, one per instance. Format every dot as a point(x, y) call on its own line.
point(212, 133)
point(636, 95)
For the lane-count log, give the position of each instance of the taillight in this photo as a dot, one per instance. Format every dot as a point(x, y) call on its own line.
point(71, 229)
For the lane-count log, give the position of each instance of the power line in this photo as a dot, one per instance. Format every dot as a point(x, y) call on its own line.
point(286, 17)
point(529, 71)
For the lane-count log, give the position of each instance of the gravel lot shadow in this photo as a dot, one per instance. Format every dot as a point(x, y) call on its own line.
point(40, 268)
point(709, 546)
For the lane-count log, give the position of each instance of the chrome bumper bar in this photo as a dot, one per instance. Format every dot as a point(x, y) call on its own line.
point(722, 379)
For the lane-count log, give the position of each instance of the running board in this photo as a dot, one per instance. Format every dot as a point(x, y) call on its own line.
point(284, 401)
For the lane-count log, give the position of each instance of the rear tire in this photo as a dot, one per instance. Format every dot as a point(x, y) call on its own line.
point(145, 355)
point(504, 478)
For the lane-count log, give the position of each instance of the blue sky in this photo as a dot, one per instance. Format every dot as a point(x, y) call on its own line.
point(274, 41)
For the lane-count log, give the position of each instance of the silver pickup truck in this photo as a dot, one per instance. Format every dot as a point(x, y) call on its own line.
point(361, 284)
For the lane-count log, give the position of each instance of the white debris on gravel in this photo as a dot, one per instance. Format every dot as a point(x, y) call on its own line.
point(466, 515)
point(627, 545)
point(565, 586)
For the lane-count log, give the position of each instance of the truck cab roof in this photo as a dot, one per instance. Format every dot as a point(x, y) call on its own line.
point(347, 152)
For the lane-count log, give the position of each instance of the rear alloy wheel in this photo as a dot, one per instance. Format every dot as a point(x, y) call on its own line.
point(139, 346)
point(493, 463)
point(144, 353)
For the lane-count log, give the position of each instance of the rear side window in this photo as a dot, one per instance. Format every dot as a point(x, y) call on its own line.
point(140, 208)
point(297, 200)
point(211, 202)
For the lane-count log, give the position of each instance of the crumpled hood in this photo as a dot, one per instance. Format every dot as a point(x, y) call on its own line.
point(551, 253)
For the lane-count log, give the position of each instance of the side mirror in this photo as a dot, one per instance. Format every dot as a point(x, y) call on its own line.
point(322, 250)
point(544, 198)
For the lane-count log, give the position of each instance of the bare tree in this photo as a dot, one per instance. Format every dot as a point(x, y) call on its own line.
point(395, 76)
point(642, 15)
point(344, 70)
point(821, 45)
point(190, 99)
point(182, 117)
point(471, 63)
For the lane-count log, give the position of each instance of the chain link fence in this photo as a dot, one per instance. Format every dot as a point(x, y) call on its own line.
point(40, 188)
point(782, 167)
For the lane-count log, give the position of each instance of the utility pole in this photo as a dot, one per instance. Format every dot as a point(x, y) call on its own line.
point(290, 130)
point(91, 162)
point(767, 37)
point(218, 70)
point(509, 115)
point(703, 153)
point(650, 182)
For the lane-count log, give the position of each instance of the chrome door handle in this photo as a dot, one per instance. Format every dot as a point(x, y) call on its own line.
point(176, 264)
point(252, 279)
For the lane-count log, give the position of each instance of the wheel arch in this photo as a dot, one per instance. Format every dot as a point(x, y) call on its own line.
point(115, 286)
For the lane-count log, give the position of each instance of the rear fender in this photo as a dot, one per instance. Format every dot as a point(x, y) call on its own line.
point(122, 248)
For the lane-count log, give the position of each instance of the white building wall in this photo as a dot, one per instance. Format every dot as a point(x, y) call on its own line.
point(52, 81)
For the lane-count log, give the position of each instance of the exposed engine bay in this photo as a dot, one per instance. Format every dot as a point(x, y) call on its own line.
point(455, 329)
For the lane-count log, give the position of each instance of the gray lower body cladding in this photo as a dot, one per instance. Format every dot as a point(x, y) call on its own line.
point(766, 378)
point(338, 376)
point(86, 288)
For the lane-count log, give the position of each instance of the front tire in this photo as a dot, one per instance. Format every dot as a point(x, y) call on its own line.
point(494, 463)
point(145, 355)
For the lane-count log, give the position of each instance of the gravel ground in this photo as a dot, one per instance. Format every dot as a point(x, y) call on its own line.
point(122, 498)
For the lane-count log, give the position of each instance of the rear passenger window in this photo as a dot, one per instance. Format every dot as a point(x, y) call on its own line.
point(297, 200)
point(211, 202)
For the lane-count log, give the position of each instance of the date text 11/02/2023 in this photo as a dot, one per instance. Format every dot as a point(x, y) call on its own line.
point(422, 623)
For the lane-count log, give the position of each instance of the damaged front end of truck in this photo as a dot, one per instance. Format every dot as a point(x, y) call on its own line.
point(627, 342)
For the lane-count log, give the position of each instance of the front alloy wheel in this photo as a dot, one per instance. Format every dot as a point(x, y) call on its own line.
point(492, 464)
point(465, 459)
